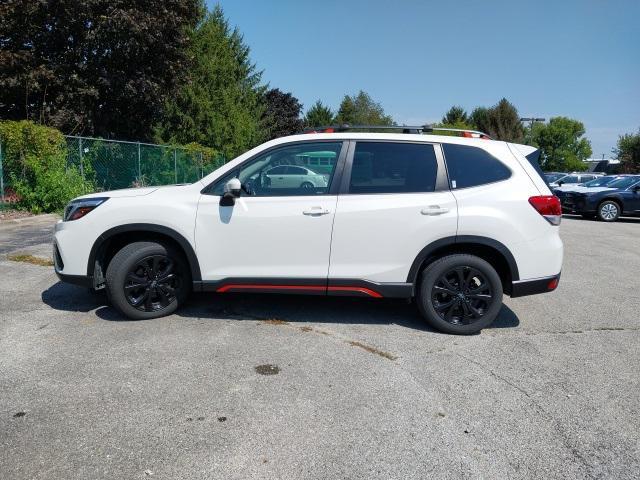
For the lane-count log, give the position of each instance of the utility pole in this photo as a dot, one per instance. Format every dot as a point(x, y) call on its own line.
point(532, 120)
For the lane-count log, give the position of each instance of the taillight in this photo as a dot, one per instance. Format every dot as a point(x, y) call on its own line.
point(549, 207)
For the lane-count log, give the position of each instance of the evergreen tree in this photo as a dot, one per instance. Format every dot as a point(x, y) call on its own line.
point(222, 103)
point(479, 119)
point(503, 122)
point(361, 109)
point(319, 115)
point(455, 116)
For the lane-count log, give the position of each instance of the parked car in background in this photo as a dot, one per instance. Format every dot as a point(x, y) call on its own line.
point(551, 177)
point(575, 177)
point(294, 176)
point(608, 203)
point(579, 187)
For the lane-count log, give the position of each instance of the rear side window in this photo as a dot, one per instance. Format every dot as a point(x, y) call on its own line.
point(385, 167)
point(471, 166)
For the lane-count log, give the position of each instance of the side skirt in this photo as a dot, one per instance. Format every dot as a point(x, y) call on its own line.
point(307, 286)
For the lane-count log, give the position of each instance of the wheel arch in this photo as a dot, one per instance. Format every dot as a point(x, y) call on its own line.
point(614, 199)
point(112, 240)
point(493, 251)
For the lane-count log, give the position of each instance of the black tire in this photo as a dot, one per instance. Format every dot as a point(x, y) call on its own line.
point(609, 211)
point(307, 185)
point(469, 303)
point(153, 274)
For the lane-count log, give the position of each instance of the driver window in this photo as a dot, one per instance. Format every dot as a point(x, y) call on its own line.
point(291, 170)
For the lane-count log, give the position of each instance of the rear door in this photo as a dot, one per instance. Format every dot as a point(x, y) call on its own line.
point(394, 201)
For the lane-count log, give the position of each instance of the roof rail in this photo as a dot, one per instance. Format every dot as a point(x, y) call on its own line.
point(420, 129)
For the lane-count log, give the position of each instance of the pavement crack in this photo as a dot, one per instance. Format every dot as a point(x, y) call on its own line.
point(495, 375)
point(563, 436)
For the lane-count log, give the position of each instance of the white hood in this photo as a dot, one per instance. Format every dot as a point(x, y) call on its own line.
point(125, 192)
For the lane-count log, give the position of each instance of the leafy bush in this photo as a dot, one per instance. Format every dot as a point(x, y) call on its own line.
point(35, 159)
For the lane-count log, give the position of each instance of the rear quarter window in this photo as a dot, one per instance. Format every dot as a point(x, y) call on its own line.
point(472, 166)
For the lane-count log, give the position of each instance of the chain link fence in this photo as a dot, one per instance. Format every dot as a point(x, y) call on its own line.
point(114, 164)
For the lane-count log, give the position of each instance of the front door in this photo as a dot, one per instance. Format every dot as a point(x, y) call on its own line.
point(275, 230)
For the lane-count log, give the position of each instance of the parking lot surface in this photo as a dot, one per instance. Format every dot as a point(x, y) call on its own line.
point(292, 387)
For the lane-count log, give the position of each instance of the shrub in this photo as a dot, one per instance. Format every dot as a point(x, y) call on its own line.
point(35, 159)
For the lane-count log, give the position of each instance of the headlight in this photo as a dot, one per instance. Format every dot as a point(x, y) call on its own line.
point(79, 208)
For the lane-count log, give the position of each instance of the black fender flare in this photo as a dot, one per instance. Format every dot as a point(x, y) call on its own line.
point(427, 251)
point(194, 265)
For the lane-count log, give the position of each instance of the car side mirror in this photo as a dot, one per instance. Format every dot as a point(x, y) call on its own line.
point(560, 183)
point(636, 188)
point(232, 190)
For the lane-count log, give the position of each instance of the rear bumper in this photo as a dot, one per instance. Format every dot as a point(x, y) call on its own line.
point(523, 288)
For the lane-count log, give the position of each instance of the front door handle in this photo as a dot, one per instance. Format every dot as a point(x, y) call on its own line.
point(432, 210)
point(316, 212)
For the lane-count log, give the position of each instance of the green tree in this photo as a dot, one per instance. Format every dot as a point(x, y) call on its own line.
point(479, 119)
point(562, 144)
point(282, 115)
point(95, 67)
point(455, 116)
point(628, 152)
point(319, 115)
point(502, 122)
point(361, 109)
point(222, 103)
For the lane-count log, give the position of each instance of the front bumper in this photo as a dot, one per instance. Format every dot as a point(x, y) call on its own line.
point(58, 265)
point(522, 288)
point(576, 203)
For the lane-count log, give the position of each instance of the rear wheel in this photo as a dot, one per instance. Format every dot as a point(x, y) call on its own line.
point(306, 185)
point(147, 280)
point(609, 211)
point(460, 294)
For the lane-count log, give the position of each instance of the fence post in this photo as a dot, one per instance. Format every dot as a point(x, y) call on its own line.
point(139, 168)
point(1, 172)
point(175, 163)
point(81, 164)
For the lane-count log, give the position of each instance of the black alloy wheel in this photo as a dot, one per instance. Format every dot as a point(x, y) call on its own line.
point(147, 280)
point(461, 296)
point(151, 283)
point(459, 293)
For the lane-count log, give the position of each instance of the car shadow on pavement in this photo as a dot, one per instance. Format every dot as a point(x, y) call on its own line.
point(289, 308)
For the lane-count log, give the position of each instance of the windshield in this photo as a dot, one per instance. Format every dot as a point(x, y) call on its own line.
point(624, 182)
point(600, 182)
point(568, 179)
point(552, 177)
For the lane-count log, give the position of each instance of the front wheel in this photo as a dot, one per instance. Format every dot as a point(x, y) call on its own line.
point(460, 294)
point(608, 211)
point(147, 280)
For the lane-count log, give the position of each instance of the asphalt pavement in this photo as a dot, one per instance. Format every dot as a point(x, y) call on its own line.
point(290, 387)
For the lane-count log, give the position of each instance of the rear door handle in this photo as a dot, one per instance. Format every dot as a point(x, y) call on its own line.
point(432, 210)
point(316, 212)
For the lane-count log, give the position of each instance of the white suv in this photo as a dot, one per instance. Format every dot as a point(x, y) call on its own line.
point(452, 222)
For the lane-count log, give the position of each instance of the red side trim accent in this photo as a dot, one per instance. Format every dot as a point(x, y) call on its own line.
point(366, 291)
point(240, 286)
point(315, 288)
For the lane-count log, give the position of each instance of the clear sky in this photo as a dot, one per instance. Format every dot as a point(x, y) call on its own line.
point(579, 59)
